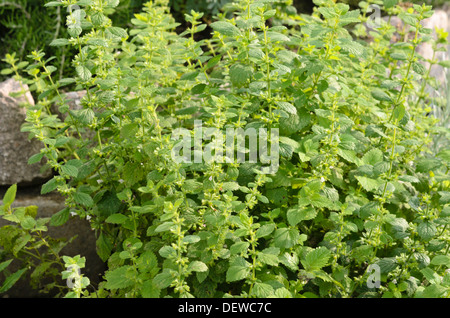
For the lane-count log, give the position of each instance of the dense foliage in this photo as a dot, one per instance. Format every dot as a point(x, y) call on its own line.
point(356, 193)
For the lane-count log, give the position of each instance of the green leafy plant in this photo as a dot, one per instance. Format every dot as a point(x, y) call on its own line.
point(24, 242)
point(355, 189)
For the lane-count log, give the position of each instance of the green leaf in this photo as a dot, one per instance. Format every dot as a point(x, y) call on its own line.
point(239, 247)
point(287, 107)
point(35, 158)
point(367, 183)
point(117, 32)
point(410, 179)
point(225, 28)
point(418, 68)
point(59, 42)
point(20, 243)
point(328, 12)
point(240, 74)
point(118, 278)
point(445, 64)
point(28, 223)
point(164, 279)
point(433, 291)
point(262, 290)
point(104, 247)
point(399, 56)
point(60, 217)
point(10, 195)
point(116, 218)
point(197, 266)
point(426, 230)
point(53, 4)
point(150, 290)
point(191, 239)
point(372, 157)
point(83, 199)
point(166, 226)
point(236, 273)
point(381, 95)
point(441, 260)
point(265, 230)
point(286, 237)
point(269, 256)
point(5, 264)
point(316, 259)
point(83, 72)
point(389, 3)
point(69, 170)
point(11, 280)
point(298, 214)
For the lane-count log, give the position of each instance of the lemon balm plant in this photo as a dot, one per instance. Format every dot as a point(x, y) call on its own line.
point(358, 206)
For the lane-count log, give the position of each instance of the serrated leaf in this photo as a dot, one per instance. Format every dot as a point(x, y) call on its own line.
point(5, 264)
point(316, 259)
point(10, 195)
point(368, 184)
point(60, 217)
point(262, 290)
point(239, 247)
point(419, 68)
point(287, 107)
point(236, 273)
point(269, 259)
point(83, 72)
point(116, 218)
point(298, 214)
point(83, 199)
point(11, 280)
point(197, 266)
point(225, 28)
point(265, 230)
point(166, 226)
point(381, 95)
point(59, 42)
point(411, 179)
point(426, 230)
point(49, 186)
point(191, 239)
point(240, 74)
point(372, 157)
point(286, 237)
point(441, 260)
point(117, 278)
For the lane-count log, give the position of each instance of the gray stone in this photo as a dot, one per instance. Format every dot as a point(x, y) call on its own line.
point(15, 146)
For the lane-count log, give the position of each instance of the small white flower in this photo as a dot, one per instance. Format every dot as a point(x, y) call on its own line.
point(99, 181)
point(210, 178)
point(322, 179)
point(73, 213)
point(88, 217)
point(121, 180)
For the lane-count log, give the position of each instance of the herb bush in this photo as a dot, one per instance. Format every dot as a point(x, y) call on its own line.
point(358, 207)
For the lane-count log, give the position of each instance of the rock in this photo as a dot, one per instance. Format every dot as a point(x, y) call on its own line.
point(84, 244)
point(15, 146)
